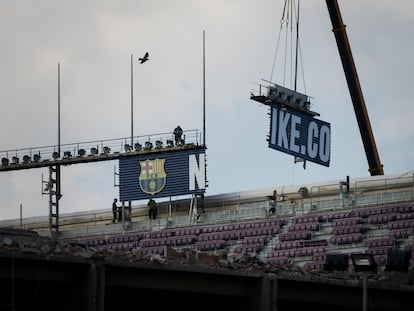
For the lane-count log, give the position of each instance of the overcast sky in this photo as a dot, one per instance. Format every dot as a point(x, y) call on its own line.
point(93, 41)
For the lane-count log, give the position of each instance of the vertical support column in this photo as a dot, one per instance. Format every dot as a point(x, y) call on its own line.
point(95, 287)
point(54, 197)
point(267, 293)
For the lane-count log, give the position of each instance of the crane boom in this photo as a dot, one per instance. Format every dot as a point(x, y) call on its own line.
point(344, 48)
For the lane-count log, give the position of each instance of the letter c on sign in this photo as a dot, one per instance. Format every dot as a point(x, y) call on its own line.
point(312, 132)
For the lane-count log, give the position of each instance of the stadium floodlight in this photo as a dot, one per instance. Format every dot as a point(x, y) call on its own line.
point(5, 161)
point(81, 152)
point(106, 150)
point(55, 155)
point(26, 159)
point(67, 154)
point(336, 262)
point(170, 143)
point(15, 160)
point(137, 147)
point(158, 144)
point(148, 145)
point(364, 262)
point(36, 157)
point(127, 148)
point(398, 260)
point(94, 150)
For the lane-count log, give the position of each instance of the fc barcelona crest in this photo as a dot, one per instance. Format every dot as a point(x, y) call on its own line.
point(152, 177)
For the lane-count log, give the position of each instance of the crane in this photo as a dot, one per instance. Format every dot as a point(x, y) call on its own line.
point(344, 48)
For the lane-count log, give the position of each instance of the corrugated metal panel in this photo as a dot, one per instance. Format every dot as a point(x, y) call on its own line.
point(300, 135)
point(162, 175)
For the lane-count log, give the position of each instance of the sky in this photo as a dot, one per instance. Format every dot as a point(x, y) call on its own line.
point(93, 42)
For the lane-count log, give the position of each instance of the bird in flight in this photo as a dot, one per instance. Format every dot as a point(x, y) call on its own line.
point(144, 59)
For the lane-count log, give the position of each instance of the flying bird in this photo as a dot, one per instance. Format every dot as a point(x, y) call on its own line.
point(144, 59)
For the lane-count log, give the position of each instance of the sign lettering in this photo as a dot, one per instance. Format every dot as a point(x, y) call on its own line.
point(301, 135)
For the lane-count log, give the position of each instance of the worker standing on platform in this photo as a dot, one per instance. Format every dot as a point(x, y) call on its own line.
point(119, 213)
point(178, 132)
point(114, 210)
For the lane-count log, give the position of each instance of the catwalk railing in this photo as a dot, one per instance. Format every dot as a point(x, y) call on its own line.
point(96, 150)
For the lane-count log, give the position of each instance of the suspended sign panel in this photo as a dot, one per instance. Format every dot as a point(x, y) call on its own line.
point(162, 174)
point(299, 134)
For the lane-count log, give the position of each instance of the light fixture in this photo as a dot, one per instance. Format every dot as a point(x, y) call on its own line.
point(36, 157)
point(148, 145)
point(94, 150)
point(364, 262)
point(55, 155)
point(106, 150)
point(26, 159)
point(5, 161)
point(170, 143)
point(81, 152)
point(67, 154)
point(15, 160)
point(127, 148)
point(158, 144)
point(336, 262)
point(398, 260)
point(137, 147)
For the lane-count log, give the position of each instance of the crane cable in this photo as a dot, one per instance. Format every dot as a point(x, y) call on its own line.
point(289, 15)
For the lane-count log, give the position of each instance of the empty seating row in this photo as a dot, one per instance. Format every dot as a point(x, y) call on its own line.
point(381, 219)
point(248, 248)
point(306, 219)
point(346, 238)
point(204, 237)
point(101, 240)
point(312, 226)
point(187, 231)
point(209, 245)
point(261, 239)
point(404, 216)
point(386, 241)
point(388, 209)
point(120, 246)
point(296, 252)
point(400, 224)
point(340, 215)
point(401, 233)
point(346, 221)
point(170, 241)
point(239, 234)
point(274, 223)
point(298, 235)
point(287, 245)
point(299, 243)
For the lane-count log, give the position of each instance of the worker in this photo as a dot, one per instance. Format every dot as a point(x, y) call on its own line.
point(114, 210)
point(152, 209)
point(178, 132)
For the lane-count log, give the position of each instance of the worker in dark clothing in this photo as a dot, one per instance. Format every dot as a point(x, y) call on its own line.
point(114, 210)
point(119, 213)
point(178, 132)
point(152, 209)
